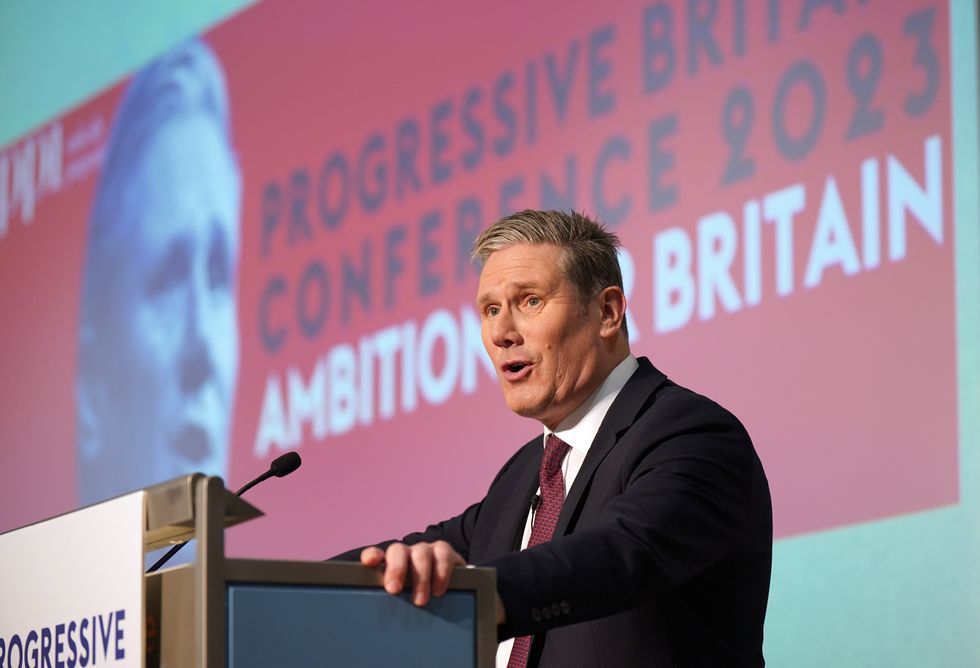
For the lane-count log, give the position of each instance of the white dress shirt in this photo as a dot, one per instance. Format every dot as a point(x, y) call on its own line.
point(578, 430)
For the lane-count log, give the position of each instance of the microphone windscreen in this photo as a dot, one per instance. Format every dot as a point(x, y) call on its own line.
point(286, 464)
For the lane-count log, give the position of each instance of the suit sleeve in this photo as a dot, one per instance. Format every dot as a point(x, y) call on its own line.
point(686, 479)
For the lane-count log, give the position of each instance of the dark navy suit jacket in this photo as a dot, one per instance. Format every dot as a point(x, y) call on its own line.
point(663, 550)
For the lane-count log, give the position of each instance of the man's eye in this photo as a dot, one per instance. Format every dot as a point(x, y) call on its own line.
point(533, 301)
point(171, 272)
point(219, 273)
point(492, 311)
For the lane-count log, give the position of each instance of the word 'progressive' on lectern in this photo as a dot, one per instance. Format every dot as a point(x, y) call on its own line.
point(242, 612)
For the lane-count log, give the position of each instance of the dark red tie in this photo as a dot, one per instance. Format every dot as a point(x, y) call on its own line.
point(545, 518)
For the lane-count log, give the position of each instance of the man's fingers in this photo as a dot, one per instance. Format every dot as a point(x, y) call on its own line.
point(372, 556)
point(421, 564)
point(446, 558)
point(429, 564)
point(396, 567)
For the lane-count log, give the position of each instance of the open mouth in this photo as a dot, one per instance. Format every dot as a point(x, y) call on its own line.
point(515, 370)
point(193, 444)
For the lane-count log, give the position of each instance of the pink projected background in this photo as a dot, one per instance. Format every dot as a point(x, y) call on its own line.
point(782, 184)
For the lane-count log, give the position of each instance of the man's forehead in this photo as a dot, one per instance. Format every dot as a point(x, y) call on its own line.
point(518, 268)
point(522, 255)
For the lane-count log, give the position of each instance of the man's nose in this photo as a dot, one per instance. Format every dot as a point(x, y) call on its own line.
point(504, 331)
point(196, 365)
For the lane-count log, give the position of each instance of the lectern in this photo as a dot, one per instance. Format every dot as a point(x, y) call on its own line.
point(217, 611)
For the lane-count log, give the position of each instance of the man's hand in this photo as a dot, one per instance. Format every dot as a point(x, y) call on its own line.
point(430, 564)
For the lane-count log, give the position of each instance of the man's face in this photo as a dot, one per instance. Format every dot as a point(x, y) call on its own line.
point(543, 341)
point(173, 320)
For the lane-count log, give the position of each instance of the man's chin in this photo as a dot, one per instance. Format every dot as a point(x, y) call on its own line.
point(533, 410)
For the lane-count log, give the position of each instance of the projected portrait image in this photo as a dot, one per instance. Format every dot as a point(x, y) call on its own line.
point(158, 333)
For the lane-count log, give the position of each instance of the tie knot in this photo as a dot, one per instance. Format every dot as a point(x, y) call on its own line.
point(555, 450)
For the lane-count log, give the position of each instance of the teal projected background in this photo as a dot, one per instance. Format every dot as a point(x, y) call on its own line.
point(900, 591)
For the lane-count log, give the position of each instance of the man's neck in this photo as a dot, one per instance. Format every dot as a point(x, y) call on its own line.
point(608, 365)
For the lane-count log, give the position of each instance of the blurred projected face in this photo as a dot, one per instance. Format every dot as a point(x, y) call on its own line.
point(172, 321)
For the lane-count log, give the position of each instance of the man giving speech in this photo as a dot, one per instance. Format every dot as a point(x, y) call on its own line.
point(636, 530)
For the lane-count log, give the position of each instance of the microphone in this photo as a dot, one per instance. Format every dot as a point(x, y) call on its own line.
point(535, 502)
point(280, 467)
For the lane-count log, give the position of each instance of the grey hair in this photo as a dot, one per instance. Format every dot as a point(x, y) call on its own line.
point(184, 81)
point(588, 249)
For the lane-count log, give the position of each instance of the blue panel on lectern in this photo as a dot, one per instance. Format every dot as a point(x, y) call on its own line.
point(283, 625)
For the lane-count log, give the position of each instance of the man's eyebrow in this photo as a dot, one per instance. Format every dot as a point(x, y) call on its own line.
point(510, 288)
point(518, 286)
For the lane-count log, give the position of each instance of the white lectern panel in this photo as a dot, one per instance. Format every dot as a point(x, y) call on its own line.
point(71, 588)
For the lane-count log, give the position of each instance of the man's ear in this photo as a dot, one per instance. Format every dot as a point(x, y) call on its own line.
point(612, 305)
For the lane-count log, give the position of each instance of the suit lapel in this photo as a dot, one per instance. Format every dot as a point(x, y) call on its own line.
point(509, 529)
point(622, 414)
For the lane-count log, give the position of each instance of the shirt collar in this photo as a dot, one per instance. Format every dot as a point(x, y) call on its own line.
point(579, 428)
